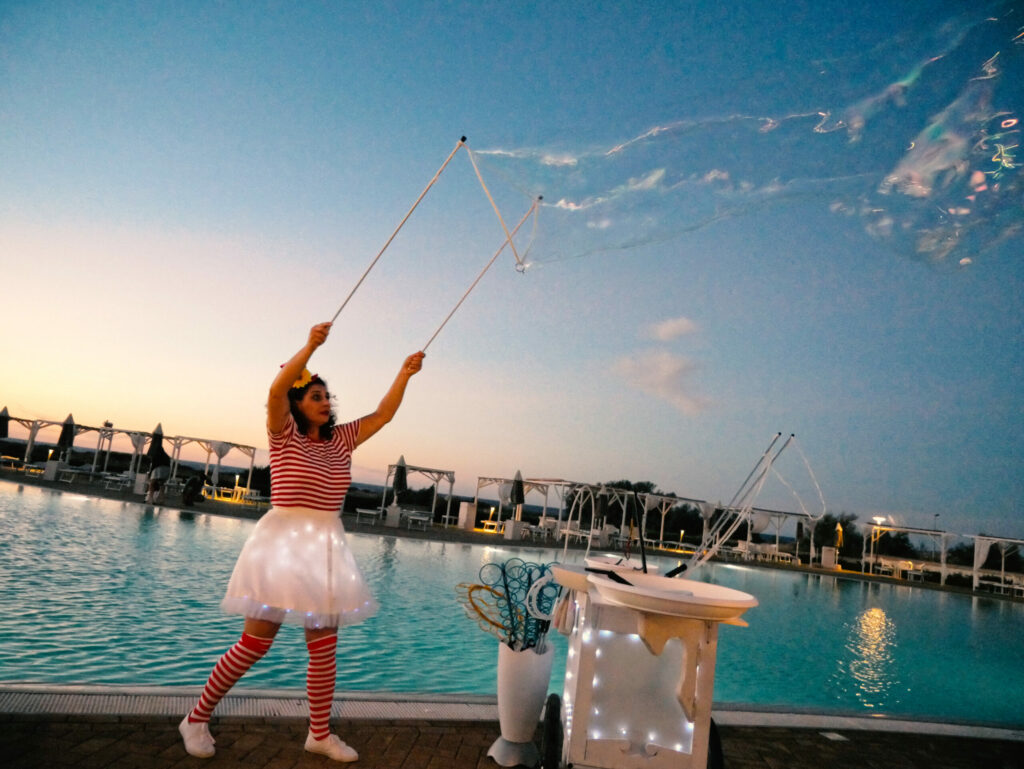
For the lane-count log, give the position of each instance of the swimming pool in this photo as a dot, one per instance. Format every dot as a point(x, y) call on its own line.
point(104, 592)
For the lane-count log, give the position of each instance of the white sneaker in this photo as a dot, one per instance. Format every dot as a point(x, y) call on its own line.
point(331, 747)
point(198, 740)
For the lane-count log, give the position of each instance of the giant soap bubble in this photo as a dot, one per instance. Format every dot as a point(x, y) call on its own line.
point(929, 163)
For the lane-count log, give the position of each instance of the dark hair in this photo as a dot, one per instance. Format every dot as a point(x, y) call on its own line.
point(295, 395)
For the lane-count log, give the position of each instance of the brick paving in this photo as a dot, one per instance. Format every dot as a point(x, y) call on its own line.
point(152, 742)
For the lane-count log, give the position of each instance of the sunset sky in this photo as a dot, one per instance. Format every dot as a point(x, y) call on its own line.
point(756, 219)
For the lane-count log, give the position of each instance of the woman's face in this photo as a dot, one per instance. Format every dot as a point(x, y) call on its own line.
point(316, 405)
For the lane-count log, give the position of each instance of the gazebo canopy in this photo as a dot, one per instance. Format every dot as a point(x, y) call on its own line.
point(139, 440)
point(982, 546)
point(539, 485)
point(435, 475)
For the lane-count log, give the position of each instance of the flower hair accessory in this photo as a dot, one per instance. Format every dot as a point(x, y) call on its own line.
point(304, 379)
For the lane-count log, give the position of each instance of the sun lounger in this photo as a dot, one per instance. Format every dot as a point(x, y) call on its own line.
point(116, 482)
point(374, 514)
point(417, 518)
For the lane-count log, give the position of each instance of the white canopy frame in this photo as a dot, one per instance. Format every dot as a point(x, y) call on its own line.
point(877, 530)
point(543, 486)
point(504, 492)
point(435, 475)
point(982, 546)
point(581, 494)
point(140, 439)
point(220, 449)
point(664, 504)
point(777, 519)
point(106, 436)
point(35, 425)
point(620, 498)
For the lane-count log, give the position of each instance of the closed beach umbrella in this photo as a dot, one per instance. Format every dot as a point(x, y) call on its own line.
point(67, 435)
point(5, 421)
point(400, 483)
point(602, 509)
point(839, 535)
point(157, 455)
point(517, 495)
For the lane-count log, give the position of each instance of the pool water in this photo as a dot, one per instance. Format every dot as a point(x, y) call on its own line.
point(104, 592)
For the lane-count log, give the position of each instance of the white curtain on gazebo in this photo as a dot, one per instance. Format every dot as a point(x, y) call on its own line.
point(220, 448)
point(981, 547)
point(138, 444)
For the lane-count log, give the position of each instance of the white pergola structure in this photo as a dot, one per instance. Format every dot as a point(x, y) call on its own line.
point(581, 493)
point(593, 493)
point(760, 519)
point(220, 449)
point(35, 425)
point(539, 485)
point(139, 440)
point(105, 433)
point(982, 546)
point(878, 529)
point(662, 503)
point(435, 476)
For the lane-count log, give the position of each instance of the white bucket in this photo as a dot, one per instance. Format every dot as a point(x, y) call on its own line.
point(523, 678)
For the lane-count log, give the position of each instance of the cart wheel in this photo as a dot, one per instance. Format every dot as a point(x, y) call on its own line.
point(551, 737)
point(716, 760)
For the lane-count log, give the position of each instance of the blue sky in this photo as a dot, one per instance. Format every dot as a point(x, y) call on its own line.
point(187, 187)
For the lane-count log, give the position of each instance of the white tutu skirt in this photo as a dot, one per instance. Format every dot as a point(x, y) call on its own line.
point(296, 567)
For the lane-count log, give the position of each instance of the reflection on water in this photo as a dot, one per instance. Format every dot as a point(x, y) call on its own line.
point(868, 671)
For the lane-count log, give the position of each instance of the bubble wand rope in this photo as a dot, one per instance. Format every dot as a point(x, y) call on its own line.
point(531, 210)
point(508, 238)
point(460, 143)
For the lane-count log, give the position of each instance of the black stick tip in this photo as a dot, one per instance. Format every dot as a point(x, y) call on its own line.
point(463, 139)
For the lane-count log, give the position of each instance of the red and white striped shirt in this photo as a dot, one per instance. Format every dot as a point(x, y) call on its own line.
point(308, 473)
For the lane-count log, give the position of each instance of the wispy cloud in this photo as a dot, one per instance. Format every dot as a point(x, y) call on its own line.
point(663, 375)
point(563, 159)
point(669, 329)
point(647, 182)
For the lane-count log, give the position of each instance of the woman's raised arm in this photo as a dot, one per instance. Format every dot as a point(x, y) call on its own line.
point(389, 404)
point(277, 400)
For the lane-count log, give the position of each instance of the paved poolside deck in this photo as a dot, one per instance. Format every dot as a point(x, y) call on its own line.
point(124, 728)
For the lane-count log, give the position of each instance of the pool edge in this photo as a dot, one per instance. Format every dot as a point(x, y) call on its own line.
point(40, 700)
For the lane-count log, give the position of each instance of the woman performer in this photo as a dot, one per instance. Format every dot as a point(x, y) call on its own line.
point(296, 565)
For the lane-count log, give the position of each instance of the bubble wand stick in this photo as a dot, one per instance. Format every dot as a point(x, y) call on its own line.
point(461, 143)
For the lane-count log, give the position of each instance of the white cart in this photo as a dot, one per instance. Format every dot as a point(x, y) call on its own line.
point(640, 671)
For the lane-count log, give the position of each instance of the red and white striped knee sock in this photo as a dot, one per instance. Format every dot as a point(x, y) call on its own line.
point(229, 668)
point(320, 675)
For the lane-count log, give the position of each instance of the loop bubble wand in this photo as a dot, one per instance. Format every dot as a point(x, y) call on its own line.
point(459, 144)
point(508, 237)
point(507, 241)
